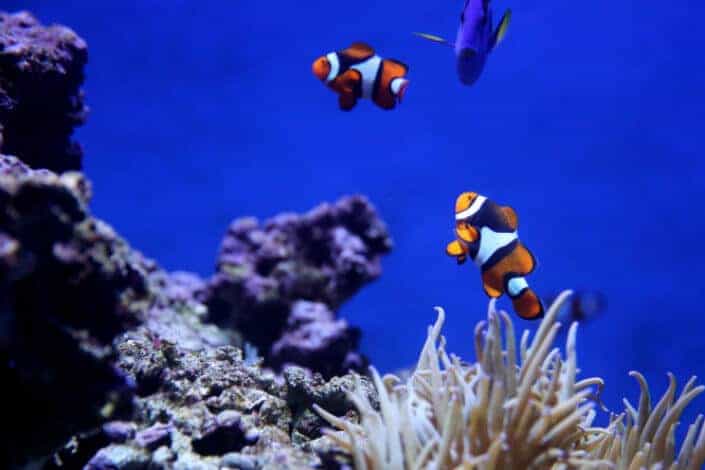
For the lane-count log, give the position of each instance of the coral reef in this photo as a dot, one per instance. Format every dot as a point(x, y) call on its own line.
point(502, 412)
point(41, 101)
point(166, 388)
point(69, 287)
point(279, 282)
point(209, 409)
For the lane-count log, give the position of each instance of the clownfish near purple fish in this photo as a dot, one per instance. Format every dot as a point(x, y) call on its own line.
point(487, 234)
point(358, 72)
point(475, 40)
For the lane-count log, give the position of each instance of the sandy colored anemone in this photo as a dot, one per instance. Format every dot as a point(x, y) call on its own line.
point(515, 408)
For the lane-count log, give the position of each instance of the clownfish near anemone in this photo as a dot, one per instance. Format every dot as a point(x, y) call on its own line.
point(487, 233)
point(358, 72)
point(475, 40)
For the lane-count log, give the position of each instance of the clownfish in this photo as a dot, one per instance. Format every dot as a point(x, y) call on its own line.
point(358, 72)
point(487, 234)
point(475, 39)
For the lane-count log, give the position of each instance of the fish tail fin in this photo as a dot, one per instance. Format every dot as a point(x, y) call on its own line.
point(434, 38)
point(502, 27)
point(524, 300)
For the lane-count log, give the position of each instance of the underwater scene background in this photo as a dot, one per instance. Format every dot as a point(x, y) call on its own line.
point(589, 120)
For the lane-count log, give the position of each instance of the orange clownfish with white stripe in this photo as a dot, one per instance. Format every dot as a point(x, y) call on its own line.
point(487, 233)
point(358, 72)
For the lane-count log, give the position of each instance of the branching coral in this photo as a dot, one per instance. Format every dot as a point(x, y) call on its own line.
point(509, 412)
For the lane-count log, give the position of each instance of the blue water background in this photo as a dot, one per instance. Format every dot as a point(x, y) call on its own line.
point(589, 120)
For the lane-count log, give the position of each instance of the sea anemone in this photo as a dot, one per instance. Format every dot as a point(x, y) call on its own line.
point(505, 412)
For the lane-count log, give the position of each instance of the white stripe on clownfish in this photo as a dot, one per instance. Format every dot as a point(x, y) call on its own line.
point(472, 210)
point(396, 84)
point(515, 285)
point(368, 71)
point(334, 66)
point(490, 242)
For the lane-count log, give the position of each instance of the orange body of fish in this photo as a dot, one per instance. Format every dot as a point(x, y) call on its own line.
point(358, 72)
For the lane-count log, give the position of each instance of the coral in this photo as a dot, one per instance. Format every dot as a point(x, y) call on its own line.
point(505, 413)
point(314, 338)
point(279, 282)
point(166, 389)
point(69, 287)
point(41, 101)
point(210, 409)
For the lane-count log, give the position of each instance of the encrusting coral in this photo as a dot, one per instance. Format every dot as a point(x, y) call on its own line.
point(501, 413)
point(41, 100)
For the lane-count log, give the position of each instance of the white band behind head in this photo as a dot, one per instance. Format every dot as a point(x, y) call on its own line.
point(470, 211)
point(334, 66)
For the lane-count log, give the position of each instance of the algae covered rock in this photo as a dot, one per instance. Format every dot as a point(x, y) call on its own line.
point(211, 409)
point(70, 286)
point(41, 101)
point(279, 282)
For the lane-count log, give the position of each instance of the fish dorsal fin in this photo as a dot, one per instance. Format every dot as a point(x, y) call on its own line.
point(400, 64)
point(359, 51)
point(501, 30)
point(434, 38)
point(510, 216)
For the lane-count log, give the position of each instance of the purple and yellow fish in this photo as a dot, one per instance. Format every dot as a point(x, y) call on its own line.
point(475, 40)
point(487, 233)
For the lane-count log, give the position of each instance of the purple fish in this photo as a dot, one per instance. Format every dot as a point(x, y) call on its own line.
point(475, 40)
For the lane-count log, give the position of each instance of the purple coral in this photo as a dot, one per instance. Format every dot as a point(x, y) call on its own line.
point(324, 256)
point(314, 339)
point(41, 101)
point(69, 286)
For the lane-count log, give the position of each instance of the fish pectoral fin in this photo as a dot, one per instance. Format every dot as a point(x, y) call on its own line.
point(491, 291)
point(349, 80)
point(501, 30)
point(455, 249)
point(466, 232)
point(347, 101)
point(434, 38)
point(511, 217)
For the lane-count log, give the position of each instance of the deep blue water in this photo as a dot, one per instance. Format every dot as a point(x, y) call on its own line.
point(589, 120)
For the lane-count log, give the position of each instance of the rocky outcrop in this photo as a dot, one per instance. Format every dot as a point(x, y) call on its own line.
point(70, 286)
point(279, 282)
point(41, 101)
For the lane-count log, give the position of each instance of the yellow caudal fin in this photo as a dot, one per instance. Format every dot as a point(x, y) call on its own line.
point(501, 30)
